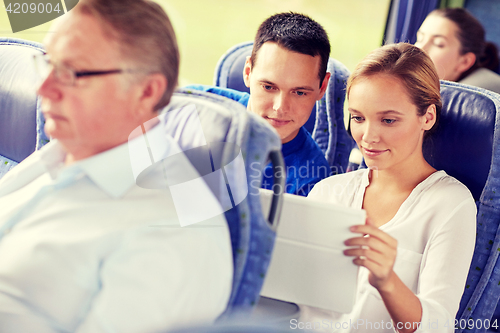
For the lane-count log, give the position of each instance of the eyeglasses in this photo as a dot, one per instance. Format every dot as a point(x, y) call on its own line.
point(66, 75)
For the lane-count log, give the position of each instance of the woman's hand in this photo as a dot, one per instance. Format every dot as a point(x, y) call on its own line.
point(376, 251)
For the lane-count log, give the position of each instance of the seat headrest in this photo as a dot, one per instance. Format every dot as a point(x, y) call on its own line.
point(229, 70)
point(463, 141)
point(18, 99)
point(198, 120)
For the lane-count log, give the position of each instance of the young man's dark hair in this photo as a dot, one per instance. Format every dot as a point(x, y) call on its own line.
point(294, 32)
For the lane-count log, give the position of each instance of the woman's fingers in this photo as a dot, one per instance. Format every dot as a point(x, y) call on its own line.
point(375, 232)
point(373, 243)
point(375, 250)
point(380, 258)
point(375, 269)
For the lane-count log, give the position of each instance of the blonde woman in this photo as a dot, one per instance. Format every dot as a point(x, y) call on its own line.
point(412, 268)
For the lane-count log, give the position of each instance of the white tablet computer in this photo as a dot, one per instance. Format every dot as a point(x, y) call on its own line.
point(308, 265)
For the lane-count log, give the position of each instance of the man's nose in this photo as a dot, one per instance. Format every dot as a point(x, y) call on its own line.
point(281, 102)
point(48, 86)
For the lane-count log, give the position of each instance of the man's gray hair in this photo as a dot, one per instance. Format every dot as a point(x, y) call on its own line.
point(145, 34)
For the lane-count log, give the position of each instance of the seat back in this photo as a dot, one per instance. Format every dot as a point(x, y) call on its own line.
point(467, 146)
point(462, 143)
point(326, 123)
point(230, 147)
point(21, 121)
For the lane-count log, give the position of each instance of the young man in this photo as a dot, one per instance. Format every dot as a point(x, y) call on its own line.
point(286, 74)
point(83, 248)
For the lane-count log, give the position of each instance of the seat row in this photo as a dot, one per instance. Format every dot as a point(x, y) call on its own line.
point(466, 145)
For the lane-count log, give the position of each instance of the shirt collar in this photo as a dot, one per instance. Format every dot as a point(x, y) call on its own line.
point(110, 170)
point(296, 143)
point(52, 157)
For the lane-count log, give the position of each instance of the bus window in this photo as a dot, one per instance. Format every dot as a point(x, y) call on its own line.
point(207, 29)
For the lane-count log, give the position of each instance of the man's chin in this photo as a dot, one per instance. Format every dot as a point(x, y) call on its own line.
point(287, 136)
point(56, 133)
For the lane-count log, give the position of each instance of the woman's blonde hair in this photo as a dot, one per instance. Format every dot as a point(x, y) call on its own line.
point(411, 66)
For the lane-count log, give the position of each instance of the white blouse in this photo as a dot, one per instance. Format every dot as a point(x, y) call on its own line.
point(435, 228)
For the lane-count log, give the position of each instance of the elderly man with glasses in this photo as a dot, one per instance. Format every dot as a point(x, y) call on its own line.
point(82, 247)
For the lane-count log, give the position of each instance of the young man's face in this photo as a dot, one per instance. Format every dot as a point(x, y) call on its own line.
point(284, 85)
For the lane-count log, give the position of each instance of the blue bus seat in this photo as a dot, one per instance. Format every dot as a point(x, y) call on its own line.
point(326, 123)
point(462, 143)
point(466, 145)
point(229, 68)
point(216, 134)
point(21, 120)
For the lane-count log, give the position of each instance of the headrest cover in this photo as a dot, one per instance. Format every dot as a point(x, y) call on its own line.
point(462, 144)
point(18, 100)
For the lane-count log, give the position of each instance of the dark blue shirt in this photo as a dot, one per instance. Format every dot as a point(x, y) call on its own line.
point(305, 163)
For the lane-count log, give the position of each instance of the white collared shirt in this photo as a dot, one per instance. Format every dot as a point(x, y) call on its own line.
point(84, 249)
point(435, 228)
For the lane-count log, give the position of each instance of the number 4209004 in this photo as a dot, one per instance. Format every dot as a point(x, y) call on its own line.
point(471, 324)
point(24, 8)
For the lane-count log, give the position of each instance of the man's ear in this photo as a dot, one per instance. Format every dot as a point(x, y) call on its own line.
point(247, 70)
point(151, 91)
point(466, 61)
point(429, 117)
point(324, 85)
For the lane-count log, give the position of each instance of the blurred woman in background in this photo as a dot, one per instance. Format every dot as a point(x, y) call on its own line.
point(454, 40)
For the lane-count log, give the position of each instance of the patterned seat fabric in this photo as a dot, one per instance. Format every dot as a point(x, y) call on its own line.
point(467, 146)
point(228, 132)
point(21, 120)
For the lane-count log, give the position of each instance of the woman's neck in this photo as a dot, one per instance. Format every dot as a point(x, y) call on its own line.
point(389, 188)
point(403, 177)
